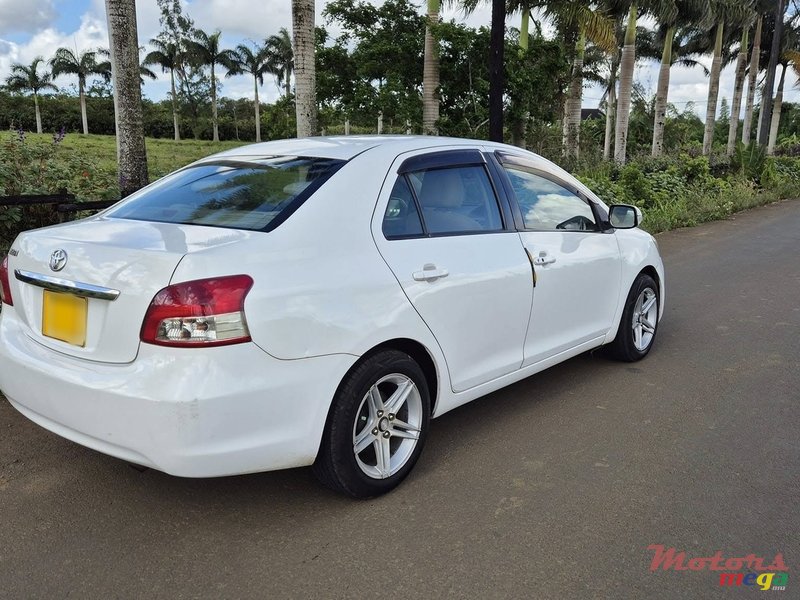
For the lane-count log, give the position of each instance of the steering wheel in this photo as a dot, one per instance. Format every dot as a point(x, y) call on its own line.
point(577, 223)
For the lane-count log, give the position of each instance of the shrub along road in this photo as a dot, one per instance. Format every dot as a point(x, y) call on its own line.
point(554, 487)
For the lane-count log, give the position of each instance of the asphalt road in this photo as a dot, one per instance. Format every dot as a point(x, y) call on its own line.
point(551, 488)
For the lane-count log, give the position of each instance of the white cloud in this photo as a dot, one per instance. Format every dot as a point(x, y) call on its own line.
point(33, 16)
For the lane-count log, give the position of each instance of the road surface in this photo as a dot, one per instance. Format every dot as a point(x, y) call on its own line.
point(553, 487)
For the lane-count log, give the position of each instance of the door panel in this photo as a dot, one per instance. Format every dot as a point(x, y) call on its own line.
point(468, 277)
point(576, 294)
point(577, 265)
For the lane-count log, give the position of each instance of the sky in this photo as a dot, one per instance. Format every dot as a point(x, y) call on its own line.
point(29, 28)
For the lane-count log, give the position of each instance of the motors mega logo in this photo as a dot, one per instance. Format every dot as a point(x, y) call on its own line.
point(770, 575)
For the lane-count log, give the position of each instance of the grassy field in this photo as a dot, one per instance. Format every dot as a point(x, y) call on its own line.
point(163, 156)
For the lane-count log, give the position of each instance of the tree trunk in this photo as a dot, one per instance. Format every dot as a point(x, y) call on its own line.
point(175, 122)
point(214, 121)
point(713, 91)
point(572, 107)
point(430, 73)
point(82, 97)
point(38, 114)
point(625, 86)
point(611, 105)
point(496, 74)
point(524, 28)
point(769, 83)
point(662, 93)
point(124, 46)
point(776, 113)
point(751, 83)
point(304, 68)
point(258, 110)
point(519, 122)
point(738, 88)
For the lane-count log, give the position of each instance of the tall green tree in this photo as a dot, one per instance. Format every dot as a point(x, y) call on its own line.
point(725, 12)
point(167, 55)
point(589, 23)
point(206, 50)
point(28, 78)
point(124, 46)
point(82, 65)
point(753, 70)
point(774, 57)
point(280, 58)
point(682, 13)
point(253, 62)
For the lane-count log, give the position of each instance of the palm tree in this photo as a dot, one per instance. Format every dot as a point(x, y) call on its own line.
point(738, 88)
point(304, 65)
point(789, 57)
point(124, 44)
point(206, 50)
point(755, 56)
point(168, 56)
point(430, 72)
point(281, 59)
point(105, 66)
point(731, 12)
point(683, 13)
point(774, 57)
point(253, 61)
point(593, 25)
point(627, 63)
point(82, 65)
point(28, 78)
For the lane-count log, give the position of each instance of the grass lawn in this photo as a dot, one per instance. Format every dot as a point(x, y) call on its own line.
point(163, 156)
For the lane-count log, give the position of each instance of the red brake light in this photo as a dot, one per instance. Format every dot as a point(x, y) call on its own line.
point(5, 283)
point(201, 313)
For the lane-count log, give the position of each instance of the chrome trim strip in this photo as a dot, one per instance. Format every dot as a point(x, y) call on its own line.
point(63, 285)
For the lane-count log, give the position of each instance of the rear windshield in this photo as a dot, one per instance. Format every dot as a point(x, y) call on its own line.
point(257, 195)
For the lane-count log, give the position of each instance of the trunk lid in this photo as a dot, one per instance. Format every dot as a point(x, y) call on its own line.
point(134, 258)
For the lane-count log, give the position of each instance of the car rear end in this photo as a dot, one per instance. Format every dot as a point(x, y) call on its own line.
point(100, 344)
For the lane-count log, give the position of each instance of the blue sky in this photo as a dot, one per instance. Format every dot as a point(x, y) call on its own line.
point(43, 25)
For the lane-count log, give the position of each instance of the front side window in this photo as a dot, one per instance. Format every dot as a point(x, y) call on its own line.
point(238, 194)
point(545, 205)
point(457, 200)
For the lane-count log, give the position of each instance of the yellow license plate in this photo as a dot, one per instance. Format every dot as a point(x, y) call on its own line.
point(64, 317)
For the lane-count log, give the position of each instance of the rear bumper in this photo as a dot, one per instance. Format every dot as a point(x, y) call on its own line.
point(191, 413)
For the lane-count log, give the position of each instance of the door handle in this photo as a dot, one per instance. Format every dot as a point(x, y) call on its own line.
point(544, 259)
point(429, 273)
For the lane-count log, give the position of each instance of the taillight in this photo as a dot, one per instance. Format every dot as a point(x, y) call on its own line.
point(5, 284)
point(206, 312)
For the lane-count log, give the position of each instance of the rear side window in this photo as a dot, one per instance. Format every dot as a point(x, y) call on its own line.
point(401, 218)
point(257, 195)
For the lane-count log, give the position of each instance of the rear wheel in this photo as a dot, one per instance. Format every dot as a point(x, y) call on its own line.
point(639, 323)
point(377, 426)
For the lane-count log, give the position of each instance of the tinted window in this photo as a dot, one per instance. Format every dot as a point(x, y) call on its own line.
point(547, 205)
point(236, 194)
point(457, 200)
point(401, 218)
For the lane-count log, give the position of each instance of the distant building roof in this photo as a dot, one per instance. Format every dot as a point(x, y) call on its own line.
point(592, 113)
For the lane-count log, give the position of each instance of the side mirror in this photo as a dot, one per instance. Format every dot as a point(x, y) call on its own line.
point(624, 216)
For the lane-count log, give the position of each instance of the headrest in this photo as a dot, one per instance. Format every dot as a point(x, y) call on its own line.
point(442, 188)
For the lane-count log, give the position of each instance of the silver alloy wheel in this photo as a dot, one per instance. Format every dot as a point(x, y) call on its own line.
point(645, 317)
point(388, 425)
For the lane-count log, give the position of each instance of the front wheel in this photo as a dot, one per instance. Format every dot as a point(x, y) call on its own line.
point(639, 323)
point(377, 426)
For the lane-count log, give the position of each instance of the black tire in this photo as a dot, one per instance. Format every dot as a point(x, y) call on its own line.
point(624, 347)
point(336, 466)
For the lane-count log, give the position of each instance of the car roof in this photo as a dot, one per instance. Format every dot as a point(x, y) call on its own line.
point(344, 147)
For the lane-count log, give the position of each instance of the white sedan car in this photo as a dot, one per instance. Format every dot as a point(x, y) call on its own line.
point(317, 301)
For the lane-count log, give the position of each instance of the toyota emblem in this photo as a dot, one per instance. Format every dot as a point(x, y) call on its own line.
point(58, 260)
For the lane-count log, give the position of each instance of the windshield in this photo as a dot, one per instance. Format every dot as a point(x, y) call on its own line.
point(256, 195)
